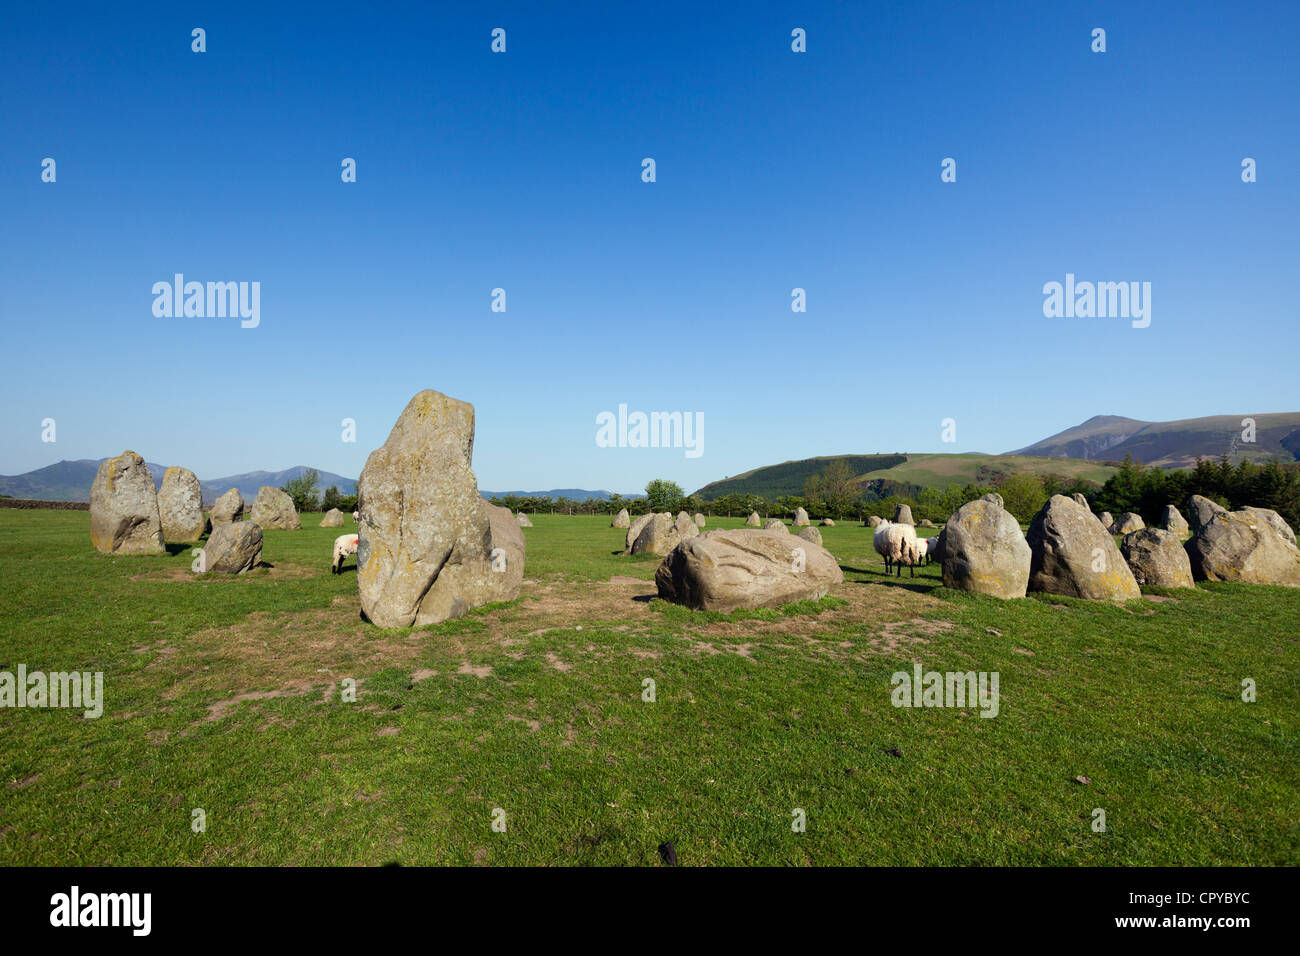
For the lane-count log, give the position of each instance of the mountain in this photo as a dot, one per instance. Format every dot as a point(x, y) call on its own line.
point(65, 481)
point(574, 494)
point(71, 481)
point(1174, 444)
point(250, 481)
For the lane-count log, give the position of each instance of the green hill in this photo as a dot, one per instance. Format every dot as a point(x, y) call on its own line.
point(940, 471)
point(886, 473)
point(788, 477)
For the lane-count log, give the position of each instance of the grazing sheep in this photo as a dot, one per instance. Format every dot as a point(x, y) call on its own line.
point(344, 545)
point(355, 514)
point(897, 543)
point(923, 549)
point(878, 542)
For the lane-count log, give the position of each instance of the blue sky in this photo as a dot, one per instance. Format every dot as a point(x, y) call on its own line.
point(522, 171)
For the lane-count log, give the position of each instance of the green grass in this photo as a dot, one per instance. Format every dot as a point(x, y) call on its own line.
point(536, 707)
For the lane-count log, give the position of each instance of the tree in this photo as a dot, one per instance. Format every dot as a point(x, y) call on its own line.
point(331, 499)
point(839, 488)
point(303, 491)
point(664, 495)
point(1023, 495)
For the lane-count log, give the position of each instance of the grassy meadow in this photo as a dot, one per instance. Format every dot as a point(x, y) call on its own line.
point(224, 694)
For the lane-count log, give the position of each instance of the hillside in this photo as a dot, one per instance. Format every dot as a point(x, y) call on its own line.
point(939, 471)
point(1174, 444)
point(788, 478)
point(887, 473)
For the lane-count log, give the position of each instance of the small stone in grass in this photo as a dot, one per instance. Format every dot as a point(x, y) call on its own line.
point(1082, 779)
point(668, 852)
point(895, 752)
point(993, 630)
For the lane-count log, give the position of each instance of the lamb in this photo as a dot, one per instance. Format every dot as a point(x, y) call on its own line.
point(897, 544)
point(344, 545)
point(923, 549)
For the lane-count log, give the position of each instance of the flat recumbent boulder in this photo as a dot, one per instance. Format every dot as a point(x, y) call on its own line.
point(724, 570)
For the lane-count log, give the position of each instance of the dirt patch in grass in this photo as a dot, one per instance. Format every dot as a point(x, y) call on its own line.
point(222, 707)
point(182, 575)
point(276, 653)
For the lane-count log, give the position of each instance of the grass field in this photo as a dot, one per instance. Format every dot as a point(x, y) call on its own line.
point(224, 694)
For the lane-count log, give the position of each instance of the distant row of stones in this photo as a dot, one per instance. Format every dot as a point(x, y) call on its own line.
point(127, 515)
point(1069, 550)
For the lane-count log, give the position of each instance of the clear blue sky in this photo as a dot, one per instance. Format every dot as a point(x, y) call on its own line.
point(775, 170)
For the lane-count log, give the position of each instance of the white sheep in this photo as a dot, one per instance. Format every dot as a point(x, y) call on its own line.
point(344, 545)
point(897, 544)
point(923, 549)
point(355, 514)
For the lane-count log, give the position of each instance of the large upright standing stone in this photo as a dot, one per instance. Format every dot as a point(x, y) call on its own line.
point(903, 515)
point(273, 508)
point(753, 521)
point(801, 518)
point(124, 508)
point(332, 519)
point(983, 550)
point(180, 506)
point(621, 520)
point(430, 547)
point(1072, 554)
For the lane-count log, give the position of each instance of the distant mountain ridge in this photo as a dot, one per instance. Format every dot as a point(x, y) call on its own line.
point(1175, 444)
point(71, 481)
